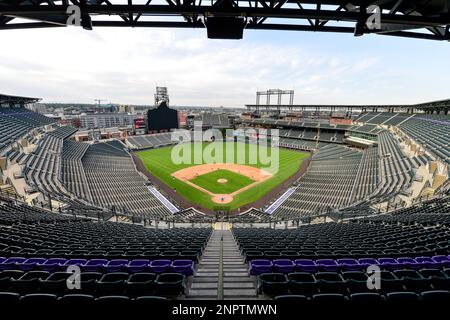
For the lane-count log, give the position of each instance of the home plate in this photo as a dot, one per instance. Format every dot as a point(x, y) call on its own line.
point(222, 198)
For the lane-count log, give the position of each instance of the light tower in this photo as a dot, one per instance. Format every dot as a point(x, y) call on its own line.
point(274, 92)
point(161, 95)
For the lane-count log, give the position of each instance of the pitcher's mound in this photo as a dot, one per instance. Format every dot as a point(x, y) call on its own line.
point(222, 198)
point(222, 180)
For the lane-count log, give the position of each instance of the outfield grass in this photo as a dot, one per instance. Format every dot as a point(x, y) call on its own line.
point(158, 162)
point(209, 182)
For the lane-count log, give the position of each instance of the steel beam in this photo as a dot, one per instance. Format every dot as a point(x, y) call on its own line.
point(257, 12)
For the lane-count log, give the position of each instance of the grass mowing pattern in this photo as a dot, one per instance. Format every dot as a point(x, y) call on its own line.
point(209, 182)
point(158, 162)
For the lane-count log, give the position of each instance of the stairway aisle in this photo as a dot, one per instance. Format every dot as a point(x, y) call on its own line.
point(237, 284)
point(205, 281)
point(222, 272)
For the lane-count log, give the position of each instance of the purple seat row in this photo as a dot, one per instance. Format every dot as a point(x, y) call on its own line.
point(259, 266)
point(183, 266)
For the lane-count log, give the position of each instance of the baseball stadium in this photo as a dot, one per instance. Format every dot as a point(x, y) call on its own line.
point(269, 201)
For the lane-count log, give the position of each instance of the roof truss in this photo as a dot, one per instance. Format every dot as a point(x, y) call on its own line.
point(423, 19)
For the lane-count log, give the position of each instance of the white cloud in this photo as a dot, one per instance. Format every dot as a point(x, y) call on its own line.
point(124, 66)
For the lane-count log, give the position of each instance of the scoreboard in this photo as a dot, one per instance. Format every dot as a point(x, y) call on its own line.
point(139, 126)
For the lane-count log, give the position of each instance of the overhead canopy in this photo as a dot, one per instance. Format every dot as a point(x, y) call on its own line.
point(12, 100)
point(441, 106)
point(425, 19)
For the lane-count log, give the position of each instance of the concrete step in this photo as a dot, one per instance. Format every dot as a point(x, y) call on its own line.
point(204, 285)
point(237, 279)
point(235, 274)
point(210, 266)
point(210, 259)
point(239, 270)
point(239, 293)
point(207, 274)
point(239, 285)
point(205, 279)
point(233, 259)
point(202, 293)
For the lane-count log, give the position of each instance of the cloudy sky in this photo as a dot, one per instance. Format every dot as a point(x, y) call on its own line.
point(124, 66)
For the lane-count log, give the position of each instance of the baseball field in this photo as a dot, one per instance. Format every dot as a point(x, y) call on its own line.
point(230, 183)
